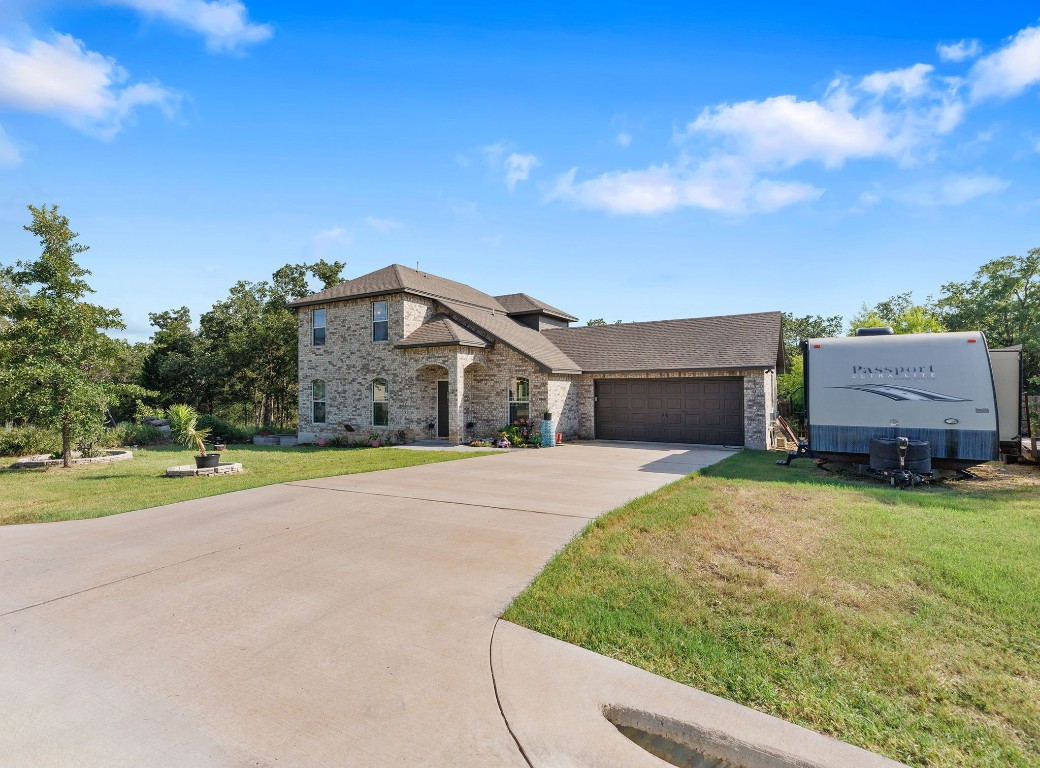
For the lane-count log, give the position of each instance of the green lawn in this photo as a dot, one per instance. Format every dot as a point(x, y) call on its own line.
point(906, 622)
point(33, 496)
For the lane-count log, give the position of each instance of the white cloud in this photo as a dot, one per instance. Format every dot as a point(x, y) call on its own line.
point(383, 225)
point(784, 131)
point(959, 51)
point(950, 191)
point(224, 23)
point(868, 199)
point(719, 184)
point(957, 190)
point(623, 139)
point(518, 168)
point(910, 82)
point(1007, 72)
point(492, 154)
point(329, 240)
point(9, 153)
point(900, 115)
point(81, 87)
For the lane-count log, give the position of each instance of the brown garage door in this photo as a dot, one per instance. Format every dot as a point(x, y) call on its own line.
point(708, 411)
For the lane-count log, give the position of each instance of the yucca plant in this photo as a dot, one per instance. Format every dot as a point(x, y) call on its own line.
point(184, 427)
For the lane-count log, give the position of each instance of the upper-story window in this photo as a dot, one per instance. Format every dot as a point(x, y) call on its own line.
point(380, 321)
point(380, 403)
point(318, 401)
point(519, 399)
point(318, 327)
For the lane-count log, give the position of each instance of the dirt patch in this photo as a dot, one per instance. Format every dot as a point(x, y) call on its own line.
point(999, 477)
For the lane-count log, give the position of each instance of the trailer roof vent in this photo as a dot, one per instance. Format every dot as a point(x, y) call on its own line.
point(885, 331)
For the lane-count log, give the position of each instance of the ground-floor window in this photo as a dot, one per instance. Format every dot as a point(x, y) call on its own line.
point(519, 399)
point(380, 403)
point(318, 401)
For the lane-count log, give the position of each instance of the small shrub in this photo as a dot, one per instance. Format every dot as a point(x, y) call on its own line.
point(126, 433)
point(225, 429)
point(143, 412)
point(26, 441)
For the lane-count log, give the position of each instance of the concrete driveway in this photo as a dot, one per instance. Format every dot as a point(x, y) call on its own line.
point(344, 621)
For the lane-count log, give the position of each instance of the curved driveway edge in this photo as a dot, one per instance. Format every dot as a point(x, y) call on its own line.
point(553, 695)
point(343, 621)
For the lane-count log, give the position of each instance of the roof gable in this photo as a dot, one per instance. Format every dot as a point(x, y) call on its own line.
point(523, 304)
point(400, 279)
point(440, 331)
point(524, 340)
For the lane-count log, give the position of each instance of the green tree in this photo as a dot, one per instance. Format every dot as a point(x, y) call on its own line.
point(902, 314)
point(58, 358)
point(1003, 301)
point(248, 344)
point(171, 368)
point(797, 329)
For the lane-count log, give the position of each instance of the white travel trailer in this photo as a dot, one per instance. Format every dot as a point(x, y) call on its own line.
point(936, 387)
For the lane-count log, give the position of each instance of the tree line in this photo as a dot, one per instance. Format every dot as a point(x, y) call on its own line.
point(1002, 300)
point(60, 368)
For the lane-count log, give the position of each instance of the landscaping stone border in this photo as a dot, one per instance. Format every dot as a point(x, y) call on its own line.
point(190, 470)
point(44, 459)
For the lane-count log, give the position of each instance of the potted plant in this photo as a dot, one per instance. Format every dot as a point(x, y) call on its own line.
point(184, 426)
point(373, 439)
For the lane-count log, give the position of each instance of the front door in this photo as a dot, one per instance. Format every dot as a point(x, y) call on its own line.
point(442, 409)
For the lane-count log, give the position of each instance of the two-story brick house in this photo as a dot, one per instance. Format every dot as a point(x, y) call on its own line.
point(399, 349)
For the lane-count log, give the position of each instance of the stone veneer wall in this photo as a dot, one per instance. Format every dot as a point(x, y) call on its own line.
point(349, 362)
point(759, 401)
point(563, 402)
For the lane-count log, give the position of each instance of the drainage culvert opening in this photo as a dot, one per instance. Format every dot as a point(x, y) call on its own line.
point(671, 741)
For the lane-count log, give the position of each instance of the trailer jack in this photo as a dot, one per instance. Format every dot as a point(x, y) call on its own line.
point(900, 476)
point(803, 452)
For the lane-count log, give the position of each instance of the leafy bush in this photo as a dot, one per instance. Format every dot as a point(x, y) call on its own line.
point(184, 426)
point(521, 432)
point(125, 433)
point(225, 429)
point(25, 441)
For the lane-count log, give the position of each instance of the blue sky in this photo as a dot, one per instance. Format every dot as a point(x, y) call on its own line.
point(630, 161)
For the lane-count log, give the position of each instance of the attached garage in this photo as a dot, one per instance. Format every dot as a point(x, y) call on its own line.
point(709, 411)
point(703, 380)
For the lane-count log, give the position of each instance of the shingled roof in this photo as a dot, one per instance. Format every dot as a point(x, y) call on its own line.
point(400, 279)
point(442, 331)
point(522, 304)
point(469, 317)
point(526, 341)
point(698, 343)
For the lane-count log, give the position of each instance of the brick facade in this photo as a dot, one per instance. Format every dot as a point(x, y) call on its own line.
point(478, 380)
point(349, 362)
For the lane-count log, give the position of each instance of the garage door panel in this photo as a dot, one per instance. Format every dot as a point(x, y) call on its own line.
point(680, 410)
